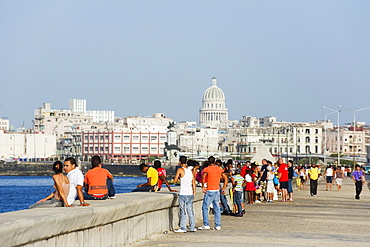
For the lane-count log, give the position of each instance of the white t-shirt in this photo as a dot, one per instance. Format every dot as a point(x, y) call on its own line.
point(329, 172)
point(75, 178)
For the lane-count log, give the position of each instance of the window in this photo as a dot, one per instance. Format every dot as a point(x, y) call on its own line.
point(101, 149)
point(91, 138)
point(162, 138)
point(117, 138)
point(126, 149)
point(307, 139)
point(86, 149)
point(91, 149)
point(307, 131)
point(101, 138)
point(144, 138)
point(106, 137)
point(96, 149)
point(96, 138)
point(153, 149)
point(316, 140)
point(135, 137)
point(86, 138)
point(135, 149)
point(144, 149)
point(316, 131)
point(117, 149)
point(153, 138)
point(106, 149)
point(126, 137)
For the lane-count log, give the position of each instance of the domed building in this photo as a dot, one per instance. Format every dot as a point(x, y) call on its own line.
point(213, 111)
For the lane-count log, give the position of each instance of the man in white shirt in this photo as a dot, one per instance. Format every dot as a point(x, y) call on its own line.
point(76, 179)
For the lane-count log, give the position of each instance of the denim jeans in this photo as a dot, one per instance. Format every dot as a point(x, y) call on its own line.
point(186, 208)
point(224, 204)
point(238, 200)
point(214, 198)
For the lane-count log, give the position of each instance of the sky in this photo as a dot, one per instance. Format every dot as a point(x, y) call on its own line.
point(271, 58)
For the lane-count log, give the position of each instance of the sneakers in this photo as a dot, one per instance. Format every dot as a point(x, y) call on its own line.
point(112, 197)
point(257, 201)
point(193, 230)
point(179, 231)
point(217, 228)
point(204, 228)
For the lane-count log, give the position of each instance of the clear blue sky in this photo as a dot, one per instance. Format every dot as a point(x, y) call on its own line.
point(281, 58)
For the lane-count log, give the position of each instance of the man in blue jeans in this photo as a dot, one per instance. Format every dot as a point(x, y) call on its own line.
point(186, 197)
point(212, 176)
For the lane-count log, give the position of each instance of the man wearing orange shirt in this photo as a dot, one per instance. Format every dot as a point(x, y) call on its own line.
point(212, 174)
point(98, 181)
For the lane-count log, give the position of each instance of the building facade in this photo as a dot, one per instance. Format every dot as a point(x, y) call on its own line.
point(14, 145)
point(4, 124)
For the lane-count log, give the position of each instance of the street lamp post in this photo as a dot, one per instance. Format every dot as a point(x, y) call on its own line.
point(338, 145)
point(354, 129)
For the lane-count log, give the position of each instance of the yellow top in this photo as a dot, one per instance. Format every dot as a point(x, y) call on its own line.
point(314, 173)
point(153, 174)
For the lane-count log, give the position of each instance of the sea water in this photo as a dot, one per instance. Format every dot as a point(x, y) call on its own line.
point(19, 192)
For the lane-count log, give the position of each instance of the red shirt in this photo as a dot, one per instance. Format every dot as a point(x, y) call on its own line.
point(161, 172)
point(283, 169)
point(243, 171)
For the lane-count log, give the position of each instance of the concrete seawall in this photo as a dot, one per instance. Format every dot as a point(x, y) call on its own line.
point(45, 169)
point(128, 218)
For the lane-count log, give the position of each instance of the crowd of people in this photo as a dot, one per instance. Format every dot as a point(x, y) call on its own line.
point(249, 184)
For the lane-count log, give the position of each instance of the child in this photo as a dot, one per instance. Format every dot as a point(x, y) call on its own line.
point(270, 185)
point(250, 188)
point(238, 182)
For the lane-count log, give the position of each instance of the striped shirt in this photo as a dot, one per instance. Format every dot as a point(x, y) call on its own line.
point(239, 182)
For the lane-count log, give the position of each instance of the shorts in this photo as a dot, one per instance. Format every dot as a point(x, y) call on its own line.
point(284, 185)
point(339, 181)
point(302, 179)
point(329, 179)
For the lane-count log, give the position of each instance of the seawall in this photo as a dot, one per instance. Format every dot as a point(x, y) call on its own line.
point(128, 218)
point(45, 169)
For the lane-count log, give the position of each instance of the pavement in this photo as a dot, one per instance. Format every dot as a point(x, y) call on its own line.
point(332, 218)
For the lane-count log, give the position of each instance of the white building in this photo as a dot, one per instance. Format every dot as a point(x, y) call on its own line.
point(26, 145)
point(4, 123)
point(213, 112)
point(157, 122)
point(351, 143)
point(79, 105)
point(249, 121)
point(199, 141)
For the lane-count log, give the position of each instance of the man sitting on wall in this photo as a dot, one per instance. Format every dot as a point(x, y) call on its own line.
point(152, 176)
point(98, 182)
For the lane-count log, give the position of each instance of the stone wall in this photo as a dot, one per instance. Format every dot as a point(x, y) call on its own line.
point(128, 218)
point(45, 169)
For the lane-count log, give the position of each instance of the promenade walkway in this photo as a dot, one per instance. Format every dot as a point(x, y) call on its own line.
point(331, 219)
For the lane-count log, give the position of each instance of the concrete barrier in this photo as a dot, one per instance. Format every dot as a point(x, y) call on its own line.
point(128, 218)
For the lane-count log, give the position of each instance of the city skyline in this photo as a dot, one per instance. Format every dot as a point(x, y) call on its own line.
point(285, 59)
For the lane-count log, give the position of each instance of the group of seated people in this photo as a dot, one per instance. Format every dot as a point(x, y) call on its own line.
point(97, 184)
